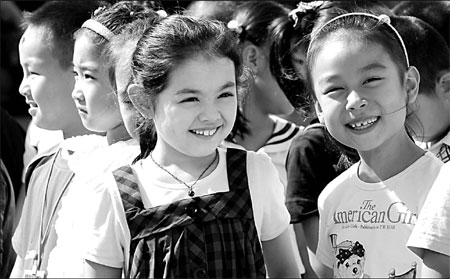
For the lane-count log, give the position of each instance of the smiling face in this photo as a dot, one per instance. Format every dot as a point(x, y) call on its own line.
point(45, 84)
point(93, 94)
point(197, 109)
point(360, 93)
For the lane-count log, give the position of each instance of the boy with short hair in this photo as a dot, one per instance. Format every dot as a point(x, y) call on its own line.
point(45, 52)
point(428, 51)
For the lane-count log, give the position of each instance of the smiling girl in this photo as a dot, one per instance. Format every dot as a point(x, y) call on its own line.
point(359, 72)
point(189, 208)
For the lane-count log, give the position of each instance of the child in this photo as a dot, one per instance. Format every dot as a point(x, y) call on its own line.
point(435, 13)
point(358, 69)
point(97, 101)
point(195, 215)
point(431, 55)
point(255, 25)
point(430, 239)
point(45, 51)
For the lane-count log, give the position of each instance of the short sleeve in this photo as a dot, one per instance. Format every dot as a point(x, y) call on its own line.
point(267, 193)
point(309, 169)
point(103, 233)
point(324, 249)
point(433, 224)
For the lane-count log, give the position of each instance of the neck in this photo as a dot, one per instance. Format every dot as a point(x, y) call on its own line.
point(119, 133)
point(387, 161)
point(76, 130)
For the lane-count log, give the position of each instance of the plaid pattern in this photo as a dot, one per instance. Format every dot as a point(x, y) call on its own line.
point(211, 236)
point(444, 153)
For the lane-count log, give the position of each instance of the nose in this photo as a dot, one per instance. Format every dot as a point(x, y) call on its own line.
point(355, 101)
point(355, 270)
point(77, 93)
point(23, 87)
point(209, 113)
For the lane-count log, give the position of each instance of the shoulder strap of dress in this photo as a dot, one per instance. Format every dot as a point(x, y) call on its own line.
point(128, 188)
point(237, 168)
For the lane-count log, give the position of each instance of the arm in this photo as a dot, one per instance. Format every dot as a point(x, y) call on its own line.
point(279, 257)
point(435, 265)
point(309, 230)
point(95, 270)
point(303, 250)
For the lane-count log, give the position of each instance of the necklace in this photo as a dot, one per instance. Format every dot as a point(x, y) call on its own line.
point(191, 192)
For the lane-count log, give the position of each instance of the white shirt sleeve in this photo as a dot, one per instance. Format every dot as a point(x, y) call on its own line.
point(267, 193)
point(105, 231)
point(433, 224)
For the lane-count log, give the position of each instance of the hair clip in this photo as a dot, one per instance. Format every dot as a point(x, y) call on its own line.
point(162, 13)
point(303, 7)
point(381, 18)
point(131, 13)
point(99, 10)
point(234, 25)
point(98, 28)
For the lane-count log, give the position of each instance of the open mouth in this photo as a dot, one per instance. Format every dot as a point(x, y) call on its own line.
point(363, 124)
point(205, 133)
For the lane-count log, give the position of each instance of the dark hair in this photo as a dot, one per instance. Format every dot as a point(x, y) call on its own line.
point(219, 10)
point(167, 44)
point(260, 22)
point(59, 20)
point(426, 48)
point(114, 17)
point(121, 49)
point(435, 13)
point(363, 28)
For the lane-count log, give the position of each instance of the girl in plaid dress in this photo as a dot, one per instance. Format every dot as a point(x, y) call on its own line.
point(188, 208)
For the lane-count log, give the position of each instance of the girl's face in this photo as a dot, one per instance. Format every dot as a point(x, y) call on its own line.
point(298, 58)
point(197, 109)
point(93, 94)
point(362, 99)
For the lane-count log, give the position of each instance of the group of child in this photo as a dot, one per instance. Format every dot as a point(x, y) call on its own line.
point(184, 154)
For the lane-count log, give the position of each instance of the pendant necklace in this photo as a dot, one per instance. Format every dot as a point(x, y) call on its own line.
point(191, 192)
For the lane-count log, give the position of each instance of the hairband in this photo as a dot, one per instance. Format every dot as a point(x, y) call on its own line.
point(98, 28)
point(303, 7)
point(382, 18)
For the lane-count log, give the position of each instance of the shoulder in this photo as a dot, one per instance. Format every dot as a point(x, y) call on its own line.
point(339, 185)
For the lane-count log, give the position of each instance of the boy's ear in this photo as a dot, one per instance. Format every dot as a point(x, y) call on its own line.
point(443, 86)
point(142, 102)
point(319, 113)
point(412, 84)
point(250, 55)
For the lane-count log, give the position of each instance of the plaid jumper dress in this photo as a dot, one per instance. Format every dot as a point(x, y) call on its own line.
point(212, 236)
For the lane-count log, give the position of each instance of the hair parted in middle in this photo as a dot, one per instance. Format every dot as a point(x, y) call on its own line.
point(174, 40)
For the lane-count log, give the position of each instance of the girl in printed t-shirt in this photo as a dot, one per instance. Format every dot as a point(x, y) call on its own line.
point(358, 69)
point(189, 208)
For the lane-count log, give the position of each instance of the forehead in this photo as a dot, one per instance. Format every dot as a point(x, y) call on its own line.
point(34, 47)
point(193, 71)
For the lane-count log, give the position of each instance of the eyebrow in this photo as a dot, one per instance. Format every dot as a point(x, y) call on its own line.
point(373, 66)
point(87, 68)
point(195, 91)
point(370, 67)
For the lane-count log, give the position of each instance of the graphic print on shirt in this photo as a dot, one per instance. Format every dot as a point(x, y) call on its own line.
point(349, 259)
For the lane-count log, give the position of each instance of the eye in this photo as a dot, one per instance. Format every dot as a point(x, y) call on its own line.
point(189, 100)
point(226, 94)
point(358, 261)
point(372, 80)
point(347, 265)
point(332, 90)
point(88, 76)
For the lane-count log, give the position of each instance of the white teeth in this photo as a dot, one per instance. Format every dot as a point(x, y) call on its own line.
point(206, 133)
point(363, 124)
